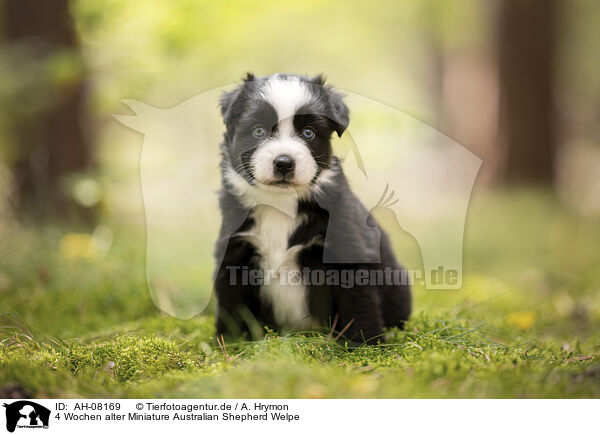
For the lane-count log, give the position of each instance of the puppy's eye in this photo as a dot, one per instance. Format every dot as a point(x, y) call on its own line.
point(308, 133)
point(259, 131)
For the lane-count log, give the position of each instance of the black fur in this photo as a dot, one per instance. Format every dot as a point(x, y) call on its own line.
point(335, 220)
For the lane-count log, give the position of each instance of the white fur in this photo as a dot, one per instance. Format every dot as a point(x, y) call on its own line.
point(270, 236)
point(284, 199)
point(286, 96)
point(274, 209)
point(262, 160)
point(275, 214)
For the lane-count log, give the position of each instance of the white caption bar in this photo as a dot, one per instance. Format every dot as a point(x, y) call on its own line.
point(74, 416)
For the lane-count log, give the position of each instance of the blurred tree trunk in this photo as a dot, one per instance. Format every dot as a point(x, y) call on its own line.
point(526, 55)
point(50, 142)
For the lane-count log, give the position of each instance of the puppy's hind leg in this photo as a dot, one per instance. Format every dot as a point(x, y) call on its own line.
point(396, 304)
point(359, 312)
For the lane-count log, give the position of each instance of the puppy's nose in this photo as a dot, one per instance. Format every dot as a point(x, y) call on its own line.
point(283, 164)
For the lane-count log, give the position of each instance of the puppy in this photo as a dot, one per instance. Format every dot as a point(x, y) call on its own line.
point(297, 249)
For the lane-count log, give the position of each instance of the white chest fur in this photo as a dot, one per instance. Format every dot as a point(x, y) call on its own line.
point(283, 287)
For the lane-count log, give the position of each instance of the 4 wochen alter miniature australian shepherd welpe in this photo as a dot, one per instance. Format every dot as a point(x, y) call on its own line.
point(287, 208)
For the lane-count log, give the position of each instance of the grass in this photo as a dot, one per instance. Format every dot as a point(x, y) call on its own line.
point(525, 324)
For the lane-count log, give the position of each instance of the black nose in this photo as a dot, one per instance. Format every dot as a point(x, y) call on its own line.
point(283, 164)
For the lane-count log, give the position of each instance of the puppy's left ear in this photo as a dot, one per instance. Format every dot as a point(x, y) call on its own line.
point(339, 111)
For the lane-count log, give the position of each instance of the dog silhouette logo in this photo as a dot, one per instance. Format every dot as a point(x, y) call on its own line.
point(425, 176)
point(26, 414)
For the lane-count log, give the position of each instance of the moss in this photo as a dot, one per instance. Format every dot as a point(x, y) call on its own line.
point(525, 324)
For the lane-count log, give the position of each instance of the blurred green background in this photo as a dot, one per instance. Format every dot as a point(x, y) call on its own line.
point(515, 82)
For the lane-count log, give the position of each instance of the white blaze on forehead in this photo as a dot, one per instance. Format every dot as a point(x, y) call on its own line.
point(286, 95)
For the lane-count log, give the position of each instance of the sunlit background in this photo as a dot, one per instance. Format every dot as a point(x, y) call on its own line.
point(514, 82)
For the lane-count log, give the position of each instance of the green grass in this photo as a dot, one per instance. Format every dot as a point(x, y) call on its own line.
point(525, 324)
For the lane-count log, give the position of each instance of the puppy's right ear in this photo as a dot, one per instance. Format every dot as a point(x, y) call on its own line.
point(227, 103)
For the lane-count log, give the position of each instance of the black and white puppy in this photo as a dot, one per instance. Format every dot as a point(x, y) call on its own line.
point(292, 228)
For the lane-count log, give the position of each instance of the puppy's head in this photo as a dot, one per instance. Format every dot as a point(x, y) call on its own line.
point(279, 129)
